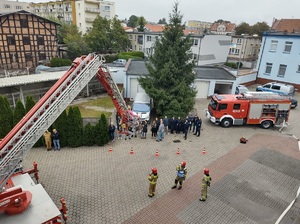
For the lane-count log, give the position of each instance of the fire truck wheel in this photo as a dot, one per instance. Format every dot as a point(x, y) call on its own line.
point(266, 124)
point(226, 123)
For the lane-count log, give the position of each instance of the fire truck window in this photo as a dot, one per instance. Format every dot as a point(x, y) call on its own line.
point(267, 86)
point(222, 106)
point(236, 106)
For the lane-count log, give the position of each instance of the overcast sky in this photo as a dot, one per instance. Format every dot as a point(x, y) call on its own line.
point(236, 11)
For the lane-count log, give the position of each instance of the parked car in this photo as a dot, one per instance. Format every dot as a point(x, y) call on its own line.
point(294, 103)
point(275, 87)
point(241, 89)
point(119, 62)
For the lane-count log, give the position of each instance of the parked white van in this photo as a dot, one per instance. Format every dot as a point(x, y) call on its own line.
point(142, 106)
point(275, 87)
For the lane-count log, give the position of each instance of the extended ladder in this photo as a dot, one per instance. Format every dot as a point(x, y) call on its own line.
point(132, 121)
point(26, 133)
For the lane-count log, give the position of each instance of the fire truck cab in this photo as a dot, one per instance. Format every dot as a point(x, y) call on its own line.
point(249, 108)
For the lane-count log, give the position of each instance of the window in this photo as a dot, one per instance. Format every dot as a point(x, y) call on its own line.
point(28, 57)
point(288, 47)
point(237, 51)
point(130, 37)
point(223, 106)
point(24, 23)
point(18, 7)
point(273, 45)
point(148, 38)
point(11, 40)
point(239, 40)
point(236, 106)
point(42, 56)
point(195, 42)
point(298, 68)
point(7, 6)
point(140, 48)
point(140, 39)
point(26, 40)
point(281, 71)
point(267, 86)
point(275, 87)
point(107, 8)
point(40, 40)
point(268, 68)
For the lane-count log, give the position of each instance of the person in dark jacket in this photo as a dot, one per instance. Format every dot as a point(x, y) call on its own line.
point(111, 130)
point(173, 125)
point(144, 129)
point(198, 127)
point(186, 128)
point(178, 125)
point(55, 138)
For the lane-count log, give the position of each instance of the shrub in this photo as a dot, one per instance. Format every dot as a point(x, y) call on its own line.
point(58, 62)
point(89, 137)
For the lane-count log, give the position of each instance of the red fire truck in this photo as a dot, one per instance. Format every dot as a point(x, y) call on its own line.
point(249, 108)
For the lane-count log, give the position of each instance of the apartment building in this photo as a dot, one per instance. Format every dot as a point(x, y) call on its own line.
point(26, 39)
point(81, 13)
point(245, 49)
point(279, 58)
point(11, 6)
point(63, 10)
point(203, 27)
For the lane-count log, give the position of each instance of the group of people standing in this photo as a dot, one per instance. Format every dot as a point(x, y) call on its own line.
point(52, 138)
point(181, 173)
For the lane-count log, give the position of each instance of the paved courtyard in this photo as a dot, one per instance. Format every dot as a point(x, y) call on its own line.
point(252, 183)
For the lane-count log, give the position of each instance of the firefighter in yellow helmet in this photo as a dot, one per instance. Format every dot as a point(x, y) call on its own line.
point(205, 183)
point(152, 177)
point(181, 175)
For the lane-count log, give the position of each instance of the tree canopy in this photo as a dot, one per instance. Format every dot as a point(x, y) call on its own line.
point(107, 36)
point(259, 28)
point(132, 21)
point(162, 21)
point(141, 24)
point(171, 74)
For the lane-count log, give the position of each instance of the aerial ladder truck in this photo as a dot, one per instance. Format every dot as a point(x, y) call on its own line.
point(21, 199)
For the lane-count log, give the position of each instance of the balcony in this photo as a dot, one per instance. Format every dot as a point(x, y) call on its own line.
point(92, 10)
point(89, 20)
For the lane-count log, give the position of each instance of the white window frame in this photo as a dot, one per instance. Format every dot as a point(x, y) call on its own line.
point(149, 38)
point(281, 70)
point(239, 41)
point(288, 47)
point(268, 69)
point(273, 46)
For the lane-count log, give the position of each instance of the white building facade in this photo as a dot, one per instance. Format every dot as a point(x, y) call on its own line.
point(279, 58)
point(11, 6)
point(205, 50)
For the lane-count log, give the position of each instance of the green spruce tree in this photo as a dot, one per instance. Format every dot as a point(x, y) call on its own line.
point(75, 130)
point(171, 74)
point(6, 117)
point(29, 103)
point(61, 125)
point(89, 138)
point(19, 112)
point(102, 135)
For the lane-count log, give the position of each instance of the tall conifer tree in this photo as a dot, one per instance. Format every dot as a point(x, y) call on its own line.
point(171, 74)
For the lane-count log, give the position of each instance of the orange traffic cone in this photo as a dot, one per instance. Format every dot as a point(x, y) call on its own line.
point(131, 151)
point(156, 154)
point(110, 149)
point(178, 152)
point(204, 151)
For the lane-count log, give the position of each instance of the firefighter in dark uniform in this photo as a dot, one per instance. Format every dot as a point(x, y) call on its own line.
point(152, 177)
point(181, 175)
point(205, 183)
